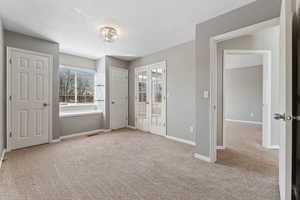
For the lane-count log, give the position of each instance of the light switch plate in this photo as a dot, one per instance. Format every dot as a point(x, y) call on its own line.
point(205, 94)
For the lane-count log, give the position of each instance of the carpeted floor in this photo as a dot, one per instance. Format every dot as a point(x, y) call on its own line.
point(131, 165)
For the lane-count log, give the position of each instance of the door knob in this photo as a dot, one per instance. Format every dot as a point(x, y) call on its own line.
point(112, 102)
point(45, 104)
point(278, 116)
point(284, 117)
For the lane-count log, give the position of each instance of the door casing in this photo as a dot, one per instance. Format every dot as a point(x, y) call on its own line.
point(9, 51)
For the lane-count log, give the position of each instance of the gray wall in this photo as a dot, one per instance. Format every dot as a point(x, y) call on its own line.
point(77, 61)
point(78, 124)
point(242, 17)
point(267, 39)
point(17, 40)
point(180, 88)
point(2, 91)
point(243, 89)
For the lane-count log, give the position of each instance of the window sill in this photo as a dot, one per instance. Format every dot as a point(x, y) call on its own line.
point(79, 113)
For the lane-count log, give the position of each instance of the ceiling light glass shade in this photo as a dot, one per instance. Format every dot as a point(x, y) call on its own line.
point(109, 34)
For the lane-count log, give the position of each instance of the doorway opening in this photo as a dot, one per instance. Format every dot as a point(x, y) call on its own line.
point(244, 94)
point(247, 92)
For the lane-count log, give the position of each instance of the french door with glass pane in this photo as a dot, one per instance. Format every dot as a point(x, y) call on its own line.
point(150, 102)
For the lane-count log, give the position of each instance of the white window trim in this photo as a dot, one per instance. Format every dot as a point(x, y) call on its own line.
point(62, 104)
point(77, 68)
point(80, 113)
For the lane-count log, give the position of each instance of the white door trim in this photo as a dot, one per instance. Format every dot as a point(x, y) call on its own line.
point(213, 110)
point(9, 51)
point(267, 64)
point(110, 84)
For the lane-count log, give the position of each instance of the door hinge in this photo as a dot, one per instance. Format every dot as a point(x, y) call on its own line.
point(10, 97)
point(10, 134)
point(10, 61)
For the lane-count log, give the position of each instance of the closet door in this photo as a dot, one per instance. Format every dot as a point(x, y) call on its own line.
point(118, 97)
point(142, 98)
point(157, 93)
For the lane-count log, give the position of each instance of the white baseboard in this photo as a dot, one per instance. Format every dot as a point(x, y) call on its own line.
point(221, 147)
point(242, 121)
point(55, 140)
point(201, 157)
point(2, 157)
point(273, 147)
point(181, 140)
point(131, 127)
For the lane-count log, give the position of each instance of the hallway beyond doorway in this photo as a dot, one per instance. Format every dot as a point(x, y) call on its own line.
point(244, 150)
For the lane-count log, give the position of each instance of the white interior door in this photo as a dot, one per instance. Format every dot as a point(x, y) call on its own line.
point(142, 98)
point(157, 96)
point(150, 104)
point(118, 98)
point(285, 152)
point(29, 98)
point(266, 104)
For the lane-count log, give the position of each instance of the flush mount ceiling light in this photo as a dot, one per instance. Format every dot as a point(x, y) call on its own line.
point(109, 34)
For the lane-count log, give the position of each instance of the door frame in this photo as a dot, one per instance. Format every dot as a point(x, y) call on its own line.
point(9, 51)
point(213, 109)
point(267, 64)
point(147, 68)
point(110, 83)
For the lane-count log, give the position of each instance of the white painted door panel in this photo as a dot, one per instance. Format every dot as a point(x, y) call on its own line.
point(285, 152)
point(142, 99)
point(118, 98)
point(30, 99)
point(158, 99)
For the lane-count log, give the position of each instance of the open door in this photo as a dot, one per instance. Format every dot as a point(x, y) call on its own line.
point(284, 116)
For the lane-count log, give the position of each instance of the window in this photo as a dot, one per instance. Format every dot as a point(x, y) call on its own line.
point(76, 86)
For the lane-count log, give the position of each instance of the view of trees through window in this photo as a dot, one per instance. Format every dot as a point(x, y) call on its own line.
point(76, 86)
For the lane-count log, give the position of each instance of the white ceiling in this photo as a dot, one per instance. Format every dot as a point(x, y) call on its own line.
point(232, 61)
point(146, 26)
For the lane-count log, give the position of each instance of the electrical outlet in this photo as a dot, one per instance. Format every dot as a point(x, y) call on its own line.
point(252, 114)
point(191, 129)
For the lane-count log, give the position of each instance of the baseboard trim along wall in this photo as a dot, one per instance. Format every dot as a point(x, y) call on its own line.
point(181, 140)
point(2, 157)
point(220, 147)
point(131, 127)
point(273, 147)
point(201, 157)
point(81, 134)
point(242, 121)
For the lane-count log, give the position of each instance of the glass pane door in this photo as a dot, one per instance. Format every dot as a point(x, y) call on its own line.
point(142, 100)
point(157, 100)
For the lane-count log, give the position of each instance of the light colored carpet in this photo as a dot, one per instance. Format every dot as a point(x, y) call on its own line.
point(130, 165)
